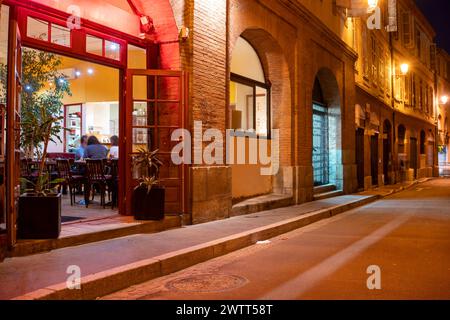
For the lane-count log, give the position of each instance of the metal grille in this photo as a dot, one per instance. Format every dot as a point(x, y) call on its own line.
point(320, 145)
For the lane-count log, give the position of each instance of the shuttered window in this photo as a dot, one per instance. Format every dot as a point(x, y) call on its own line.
point(406, 29)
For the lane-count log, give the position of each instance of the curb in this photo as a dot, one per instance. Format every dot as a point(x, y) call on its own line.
point(41, 246)
point(112, 280)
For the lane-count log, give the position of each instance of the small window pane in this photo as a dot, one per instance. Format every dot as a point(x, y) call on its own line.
point(137, 57)
point(94, 45)
point(112, 50)
point(241, 107)
point(143, 114)
point(37, 29)
point(143, 87)
point(168, 88)
point(60, 35)
point(261, 112)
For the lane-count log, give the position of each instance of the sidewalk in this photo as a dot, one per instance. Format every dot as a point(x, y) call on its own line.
point(111, 265)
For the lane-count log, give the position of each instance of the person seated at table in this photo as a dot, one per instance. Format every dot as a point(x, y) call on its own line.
point(79, 152)
point(95, 150)
point(114, 151)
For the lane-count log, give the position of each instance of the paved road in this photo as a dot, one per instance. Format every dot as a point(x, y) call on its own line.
point(406, 236)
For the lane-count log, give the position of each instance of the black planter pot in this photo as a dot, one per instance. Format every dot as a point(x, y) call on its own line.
point(39, 217)
point(3, 245)
point(148, 205)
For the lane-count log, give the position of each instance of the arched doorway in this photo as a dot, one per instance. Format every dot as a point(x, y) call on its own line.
point(387, 151)
point(326, 129)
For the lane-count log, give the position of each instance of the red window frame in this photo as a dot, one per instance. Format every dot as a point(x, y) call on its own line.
point(49, 32)
point(123, 47)
point(77, 39)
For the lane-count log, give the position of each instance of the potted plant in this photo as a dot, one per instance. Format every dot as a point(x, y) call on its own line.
point(149, 196)
point(39, 215)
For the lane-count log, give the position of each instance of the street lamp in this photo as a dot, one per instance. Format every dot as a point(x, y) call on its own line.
point(444, 99)
point(404, 68)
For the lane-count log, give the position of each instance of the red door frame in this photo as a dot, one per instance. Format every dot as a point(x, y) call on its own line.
point(126, 150)
point(12, 129)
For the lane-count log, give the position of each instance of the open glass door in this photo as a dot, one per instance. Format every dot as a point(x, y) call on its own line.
point(13, 131)
point(155, 108)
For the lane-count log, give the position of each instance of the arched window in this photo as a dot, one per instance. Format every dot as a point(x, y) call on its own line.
point(249, 92)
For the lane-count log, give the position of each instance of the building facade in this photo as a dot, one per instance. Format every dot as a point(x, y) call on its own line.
point(325, 94)
point(443, 89)
point(396, 109)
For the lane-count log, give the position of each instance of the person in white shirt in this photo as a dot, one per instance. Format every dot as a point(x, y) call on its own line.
point(114, 151)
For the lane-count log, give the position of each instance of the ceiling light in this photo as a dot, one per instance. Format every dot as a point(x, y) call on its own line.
point(90, 71)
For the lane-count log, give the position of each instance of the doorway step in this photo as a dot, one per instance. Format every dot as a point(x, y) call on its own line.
point(326, 192)
point(94, 230)
point(262, 203)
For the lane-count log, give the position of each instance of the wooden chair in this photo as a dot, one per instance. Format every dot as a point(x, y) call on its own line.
point(73, 182)
point(24, 169)
point(95, 177)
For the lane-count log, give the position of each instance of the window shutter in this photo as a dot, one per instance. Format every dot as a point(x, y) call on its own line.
point(407, 29)
point(433, 56)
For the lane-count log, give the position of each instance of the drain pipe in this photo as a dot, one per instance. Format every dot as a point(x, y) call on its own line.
point(394, 127)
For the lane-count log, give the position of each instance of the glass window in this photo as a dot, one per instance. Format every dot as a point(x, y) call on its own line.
point(37, 29)
point(60, 35)
point(137, 57)
point(112, 50)
point(94, 45)
point(249, 108)
point(102, 47)
point(241, 107)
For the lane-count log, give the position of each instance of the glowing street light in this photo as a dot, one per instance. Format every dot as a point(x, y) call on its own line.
point(404, 68)
point(444, 99)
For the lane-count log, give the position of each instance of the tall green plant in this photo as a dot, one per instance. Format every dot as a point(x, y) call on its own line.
point(44, 88)
point(42, 99)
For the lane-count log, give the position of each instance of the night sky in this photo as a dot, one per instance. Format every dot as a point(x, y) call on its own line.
point(438, 13)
